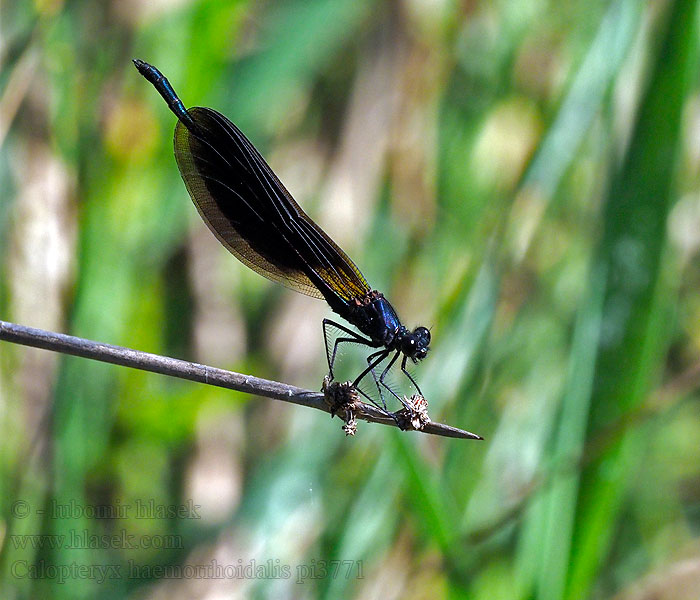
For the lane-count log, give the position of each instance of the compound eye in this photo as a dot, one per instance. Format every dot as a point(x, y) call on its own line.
point(423, 335)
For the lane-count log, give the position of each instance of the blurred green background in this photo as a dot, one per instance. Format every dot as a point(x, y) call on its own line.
point(522, 176)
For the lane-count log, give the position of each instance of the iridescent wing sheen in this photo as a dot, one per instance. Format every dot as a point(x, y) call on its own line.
point(253, 215)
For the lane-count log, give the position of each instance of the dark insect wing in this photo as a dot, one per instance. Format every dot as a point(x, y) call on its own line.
point(221, 189)
point(254, 216)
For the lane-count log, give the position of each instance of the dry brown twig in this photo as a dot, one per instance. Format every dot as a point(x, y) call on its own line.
point(339, 398)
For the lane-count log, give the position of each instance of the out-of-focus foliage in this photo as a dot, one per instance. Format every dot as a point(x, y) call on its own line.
point(523, 177)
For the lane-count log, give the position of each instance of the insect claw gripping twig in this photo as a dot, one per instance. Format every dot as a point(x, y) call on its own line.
point(342, 399)
point(414, 415)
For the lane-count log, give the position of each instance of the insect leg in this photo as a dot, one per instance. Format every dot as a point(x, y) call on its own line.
point(381, 355)
point(383, 375)
point(371, 366)
point(356, 339)
point(407, 374)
